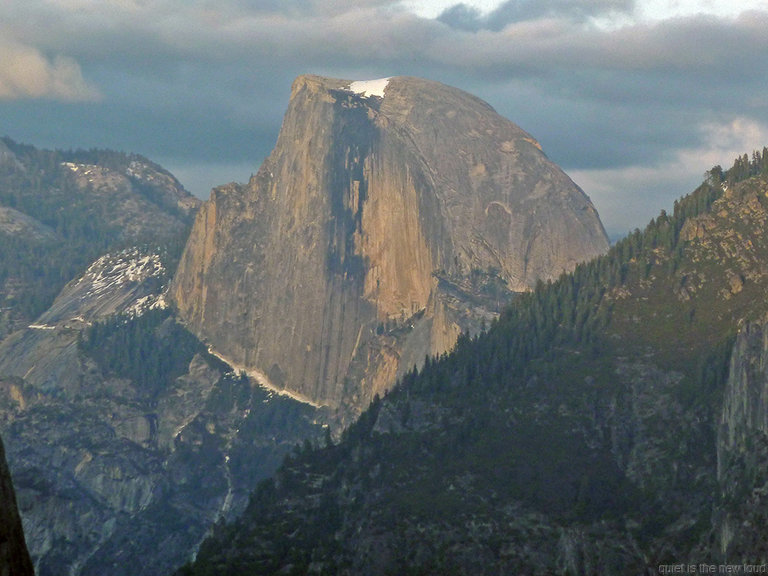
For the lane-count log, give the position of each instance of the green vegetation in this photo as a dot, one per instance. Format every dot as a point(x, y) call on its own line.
point(152, 350)
point(744, 168)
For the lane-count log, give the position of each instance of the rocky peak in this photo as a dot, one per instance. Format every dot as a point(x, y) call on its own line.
point(502, 203)
point(59, 211)
point(139, 176)
point(167, 189)
point(391, 215)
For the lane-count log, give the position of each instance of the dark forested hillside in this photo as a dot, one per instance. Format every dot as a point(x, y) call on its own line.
point(151, 350)
point(59, 211)
point(582, 434)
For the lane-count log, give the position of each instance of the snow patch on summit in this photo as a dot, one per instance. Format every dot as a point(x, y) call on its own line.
point(368, 88)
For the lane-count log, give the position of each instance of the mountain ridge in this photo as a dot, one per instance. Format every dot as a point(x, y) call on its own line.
point(126, 438)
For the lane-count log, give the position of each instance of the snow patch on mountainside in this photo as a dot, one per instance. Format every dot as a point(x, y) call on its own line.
point(367, 88)
point(142, 305)
point(116, 270)
point(128, 282)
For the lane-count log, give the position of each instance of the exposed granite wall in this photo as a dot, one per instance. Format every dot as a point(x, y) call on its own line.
point(377, 230)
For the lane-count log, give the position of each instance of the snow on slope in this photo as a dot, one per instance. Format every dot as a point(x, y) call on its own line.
point(128, 282)
point(368, 88)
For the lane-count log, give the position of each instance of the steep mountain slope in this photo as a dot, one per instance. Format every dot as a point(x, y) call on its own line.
point(14, 558)
point(391, 216)
point(127, 438)
point(606, 424)
point(59, 211)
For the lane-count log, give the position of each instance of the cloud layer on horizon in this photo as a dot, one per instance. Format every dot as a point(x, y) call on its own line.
point(625, 105)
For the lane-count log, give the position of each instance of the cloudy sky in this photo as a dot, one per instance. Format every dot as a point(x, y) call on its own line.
point(635, 99)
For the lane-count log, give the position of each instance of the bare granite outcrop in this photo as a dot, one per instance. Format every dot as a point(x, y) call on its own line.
point(390, 217)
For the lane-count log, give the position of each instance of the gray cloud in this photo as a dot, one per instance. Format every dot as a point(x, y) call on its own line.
point(463, 17)
point(205, 84)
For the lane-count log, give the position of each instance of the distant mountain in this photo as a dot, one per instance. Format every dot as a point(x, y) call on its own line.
point(14, 558)
point(60, 211)
point(610, 422)
point(391, 216)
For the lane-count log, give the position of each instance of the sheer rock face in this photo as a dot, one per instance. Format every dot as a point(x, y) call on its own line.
point(742, 450)
point(14, 558)
point(380, 227)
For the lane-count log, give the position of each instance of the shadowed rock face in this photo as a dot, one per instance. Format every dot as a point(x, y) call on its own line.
point(380, 227)
point(742, 450)
point(14, 558)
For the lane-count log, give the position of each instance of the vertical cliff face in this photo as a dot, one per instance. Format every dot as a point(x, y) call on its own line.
point(14, 558)
point(745, 405)
point(742, 450)
point(390, 216)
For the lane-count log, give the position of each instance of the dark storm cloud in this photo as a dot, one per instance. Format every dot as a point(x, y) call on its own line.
point(206, 83)
point(467, 18)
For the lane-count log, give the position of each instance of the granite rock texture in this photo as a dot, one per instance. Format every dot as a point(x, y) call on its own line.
point(384, 223)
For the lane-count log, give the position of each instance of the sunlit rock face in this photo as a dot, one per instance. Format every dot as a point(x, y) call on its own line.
point(391, 216)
